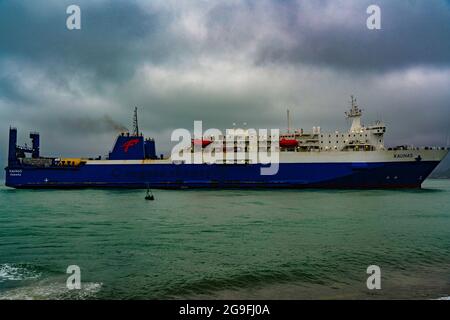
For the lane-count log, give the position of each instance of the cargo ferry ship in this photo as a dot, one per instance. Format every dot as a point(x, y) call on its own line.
point(353, 159)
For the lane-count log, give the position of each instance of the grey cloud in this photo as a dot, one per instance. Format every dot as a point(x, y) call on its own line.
point(115, 36)
point(413, 32)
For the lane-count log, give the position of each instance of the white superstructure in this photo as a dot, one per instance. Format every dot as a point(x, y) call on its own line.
point(357, 138)
point(360, 143)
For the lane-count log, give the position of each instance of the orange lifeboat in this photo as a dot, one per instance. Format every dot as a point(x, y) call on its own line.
point(204, 143)
point(288, 143)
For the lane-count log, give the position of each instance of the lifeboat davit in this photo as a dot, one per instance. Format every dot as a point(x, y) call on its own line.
point(204, 143)
point(288, 143)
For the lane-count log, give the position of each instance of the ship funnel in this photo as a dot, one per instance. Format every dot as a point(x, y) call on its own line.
point(12, 154)
point(34, 136)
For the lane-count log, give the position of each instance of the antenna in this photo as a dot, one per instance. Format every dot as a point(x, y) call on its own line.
point(354, 111)
point(288, 121)
point(135, 123)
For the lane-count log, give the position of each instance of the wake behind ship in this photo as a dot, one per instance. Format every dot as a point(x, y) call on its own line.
point(354, 159)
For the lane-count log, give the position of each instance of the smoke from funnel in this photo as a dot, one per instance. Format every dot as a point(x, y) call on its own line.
point(101, 124)
point(110, 123)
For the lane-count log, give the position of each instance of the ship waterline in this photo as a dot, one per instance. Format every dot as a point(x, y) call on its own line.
point(293, 174)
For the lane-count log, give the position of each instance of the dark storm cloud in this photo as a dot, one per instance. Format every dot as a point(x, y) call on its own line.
point(221, 62)
point(334, 33)
point(115, 36)
point(118, 35)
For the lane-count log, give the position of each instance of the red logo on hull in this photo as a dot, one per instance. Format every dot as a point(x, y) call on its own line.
point(130, 143)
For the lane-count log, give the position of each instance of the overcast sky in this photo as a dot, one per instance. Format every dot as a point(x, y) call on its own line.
point(220, 62)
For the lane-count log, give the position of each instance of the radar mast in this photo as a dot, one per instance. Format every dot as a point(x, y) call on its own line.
point(355, 114)
point(135, 123)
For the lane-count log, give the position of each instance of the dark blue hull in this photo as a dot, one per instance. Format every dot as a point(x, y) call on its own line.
point(290, 175)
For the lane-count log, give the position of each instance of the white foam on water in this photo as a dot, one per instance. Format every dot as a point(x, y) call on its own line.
point(88, 290)
point(443, 298)
point(51, 291)
point(11, 272)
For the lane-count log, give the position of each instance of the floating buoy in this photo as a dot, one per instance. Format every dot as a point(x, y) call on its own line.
point(149, 195)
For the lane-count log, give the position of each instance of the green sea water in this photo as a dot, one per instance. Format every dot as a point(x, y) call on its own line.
point(231, 244)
